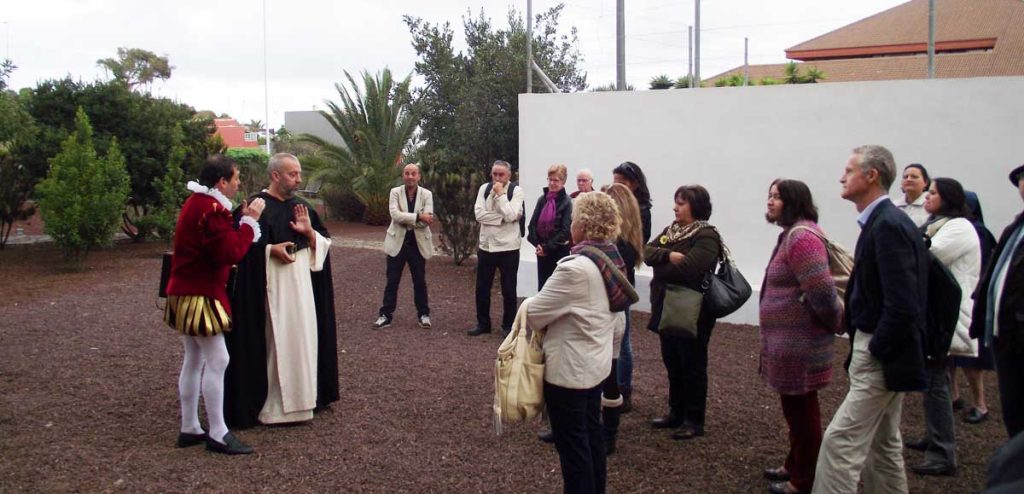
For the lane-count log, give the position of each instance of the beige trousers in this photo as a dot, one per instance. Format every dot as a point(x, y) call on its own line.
point(864, 435)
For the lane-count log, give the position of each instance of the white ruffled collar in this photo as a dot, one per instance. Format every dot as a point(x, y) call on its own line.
point(212, 192)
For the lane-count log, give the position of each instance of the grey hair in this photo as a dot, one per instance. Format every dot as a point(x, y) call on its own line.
point(585, 171)
point(502, 163)
point(277, 161)
point(874, 157)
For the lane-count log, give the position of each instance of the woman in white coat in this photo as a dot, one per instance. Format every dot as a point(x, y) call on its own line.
point(581, 305)
point(955, 243)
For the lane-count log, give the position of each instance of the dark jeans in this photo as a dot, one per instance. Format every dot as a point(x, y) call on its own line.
point(803, 415)
point(410, 254)
point(938, 418)
point(1010, 369)
point(686, 361)
point(626, 359)
point(486, 264)
point(575, 416)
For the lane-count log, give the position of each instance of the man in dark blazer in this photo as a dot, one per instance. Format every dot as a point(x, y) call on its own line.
point(885, 316)
point(999, 314)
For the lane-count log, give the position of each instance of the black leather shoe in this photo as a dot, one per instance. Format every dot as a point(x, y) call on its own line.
point(609, 446)
point(934, 469)
point(231, 446)
point(667, 422)
point(777, 474)
point(627, 403)
point(919, 445)
point(687, 432)
point(477, 331)
point(186, 439)
point(975, 416)
point(546, 436)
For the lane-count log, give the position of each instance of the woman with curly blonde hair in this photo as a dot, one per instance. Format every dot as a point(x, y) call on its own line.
point(580, 306)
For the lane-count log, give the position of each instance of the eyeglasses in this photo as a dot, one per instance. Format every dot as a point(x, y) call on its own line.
point(554, 180)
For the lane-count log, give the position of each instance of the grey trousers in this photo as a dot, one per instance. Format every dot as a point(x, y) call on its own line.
point(938, 419)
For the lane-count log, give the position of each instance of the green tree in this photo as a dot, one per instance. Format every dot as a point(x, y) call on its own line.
point(611, 86)
point(814, 75)
point(662, 82)
point(134, 67)
point(144, 127)
point(6, 67)
point(254, 125)
point(375, 121)
point(684, 82)
point(252, 168)
point(792, 74)
point(470, 109)
point(163, 217)
point(83, 195)
point(16, 129)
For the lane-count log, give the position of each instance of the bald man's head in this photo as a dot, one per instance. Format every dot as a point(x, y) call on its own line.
point(411, 175)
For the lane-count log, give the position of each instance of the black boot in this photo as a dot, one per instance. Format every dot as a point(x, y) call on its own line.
point(610, 418)
point(627, 401)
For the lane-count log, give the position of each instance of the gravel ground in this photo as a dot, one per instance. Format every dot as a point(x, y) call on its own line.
point(88, 396)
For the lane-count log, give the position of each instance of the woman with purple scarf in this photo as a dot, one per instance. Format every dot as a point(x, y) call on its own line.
point(549, 226)
point(581, 305)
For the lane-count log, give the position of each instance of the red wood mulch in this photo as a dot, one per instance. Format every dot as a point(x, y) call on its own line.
point(88, 397)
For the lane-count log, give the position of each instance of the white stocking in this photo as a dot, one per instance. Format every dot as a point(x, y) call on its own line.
point(215, 353)
point(188, 386)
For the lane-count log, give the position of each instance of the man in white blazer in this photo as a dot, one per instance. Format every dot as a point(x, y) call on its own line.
point(408, 241)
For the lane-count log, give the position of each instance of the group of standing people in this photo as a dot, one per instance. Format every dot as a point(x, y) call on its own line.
point(264, 351)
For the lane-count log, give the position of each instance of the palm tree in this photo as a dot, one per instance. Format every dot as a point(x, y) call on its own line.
point(254, 125)
point(814, 75)
point(662, 82)
point(375, 122)
point(793, 75)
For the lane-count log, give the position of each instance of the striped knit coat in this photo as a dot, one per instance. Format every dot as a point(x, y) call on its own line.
point(797, 337)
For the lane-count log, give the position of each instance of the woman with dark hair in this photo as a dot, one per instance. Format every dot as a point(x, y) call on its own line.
point(549, 226)
point(915, 183)
point(683, 254)
point(974, 367)
point(955, 243)
point(800, 313)
point(630, 175)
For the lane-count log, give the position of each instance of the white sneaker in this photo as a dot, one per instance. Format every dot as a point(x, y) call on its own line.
point(425, 322)
point(381, 322)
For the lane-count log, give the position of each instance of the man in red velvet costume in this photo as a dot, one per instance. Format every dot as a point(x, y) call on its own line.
point(284, 354)
point(206, 244)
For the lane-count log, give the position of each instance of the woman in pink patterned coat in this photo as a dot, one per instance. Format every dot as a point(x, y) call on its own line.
point(800, 313)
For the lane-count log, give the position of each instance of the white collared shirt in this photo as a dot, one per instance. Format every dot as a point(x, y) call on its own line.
point(914, 209)
point(499, 219)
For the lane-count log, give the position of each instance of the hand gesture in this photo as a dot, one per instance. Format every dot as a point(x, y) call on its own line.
point(676, 258)
point(283, 251)
point(540, 251)
point(302, 224)
point(499, 189)
point(426, 218)
point(254, 209)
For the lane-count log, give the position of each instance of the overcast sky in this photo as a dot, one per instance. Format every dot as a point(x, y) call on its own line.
point(216, 46)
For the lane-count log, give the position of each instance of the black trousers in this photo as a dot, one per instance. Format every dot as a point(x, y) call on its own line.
point(546, 266)
point(1010, 371)
point(575, 416)
point(486, 264)
point(686, 361)
point(410, 254)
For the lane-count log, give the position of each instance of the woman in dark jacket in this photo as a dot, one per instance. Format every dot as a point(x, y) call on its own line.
point(630, 175)
point(549, 226)
point(684, 254)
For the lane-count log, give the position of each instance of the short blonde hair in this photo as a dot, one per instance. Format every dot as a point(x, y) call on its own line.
point(597, 215)
point(560, 171)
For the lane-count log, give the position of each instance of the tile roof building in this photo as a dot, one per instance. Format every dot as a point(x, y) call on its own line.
point(973, 38)
point(234, 134)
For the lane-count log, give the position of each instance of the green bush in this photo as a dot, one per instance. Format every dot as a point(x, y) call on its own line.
point(82, 196)
point(252, 169)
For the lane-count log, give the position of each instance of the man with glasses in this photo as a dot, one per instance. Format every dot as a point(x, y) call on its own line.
point(499, 210)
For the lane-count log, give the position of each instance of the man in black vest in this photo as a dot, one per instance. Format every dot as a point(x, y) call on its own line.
point(999, 314)
point(885, 319)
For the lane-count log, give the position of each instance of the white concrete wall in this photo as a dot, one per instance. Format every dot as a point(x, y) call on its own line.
point(735, 141)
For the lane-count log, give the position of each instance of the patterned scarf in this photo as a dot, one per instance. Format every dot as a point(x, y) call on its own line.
point(621, 293)
point(546, 222)
point(677, 232)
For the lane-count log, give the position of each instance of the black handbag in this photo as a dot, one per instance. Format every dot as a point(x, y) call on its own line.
point(727, 289)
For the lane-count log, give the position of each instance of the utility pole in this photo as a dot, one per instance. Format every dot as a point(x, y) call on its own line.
point(620, 45)
point(746, 63)
point(689, 55)
point(266, 93)
point(931, 39)
point(696, 43)
point(529, 46)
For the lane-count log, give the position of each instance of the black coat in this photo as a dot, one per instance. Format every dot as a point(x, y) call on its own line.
point(1011, 307)
point(558, 241)
point(887, 296)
